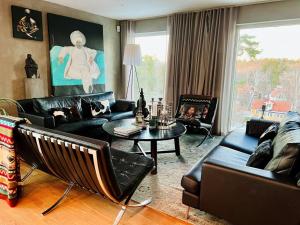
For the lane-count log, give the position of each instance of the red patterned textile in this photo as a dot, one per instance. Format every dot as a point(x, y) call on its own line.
point(9, 160)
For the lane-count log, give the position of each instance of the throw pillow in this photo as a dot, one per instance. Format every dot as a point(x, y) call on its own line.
point(95, 108)
point(286, 148)
point(190, 112)
point(270, 133)
point(65, 114)
point(99, 108)
point(262, 155)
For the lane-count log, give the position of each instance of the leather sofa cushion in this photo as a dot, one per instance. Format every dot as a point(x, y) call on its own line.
point(118, 115)
point(100, 97)
point(191, 181)
point(76, 127)
point(130, 169)
point(262, 155)
point(44, 105)
point(240, 141)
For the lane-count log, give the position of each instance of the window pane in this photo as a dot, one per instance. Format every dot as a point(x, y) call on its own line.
point(267, 73)
point(152, 71)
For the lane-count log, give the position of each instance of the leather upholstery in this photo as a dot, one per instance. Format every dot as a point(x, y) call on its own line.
point(122, 106)
point(82, 125)
point(130, 169)
point(245, 196)
point(240, 141)
point(37, 111)
point(100, 97)
point(118, 115)
point(120, 172)
point(224, 186)
point(191, 181)
point(43, 105)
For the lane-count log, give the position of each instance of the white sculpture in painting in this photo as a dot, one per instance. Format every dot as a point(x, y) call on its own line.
point(81, 63)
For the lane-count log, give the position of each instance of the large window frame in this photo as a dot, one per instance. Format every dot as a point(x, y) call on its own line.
point(150, 95)
point(240, 27)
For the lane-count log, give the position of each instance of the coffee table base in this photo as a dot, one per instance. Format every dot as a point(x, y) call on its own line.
point(154, 151)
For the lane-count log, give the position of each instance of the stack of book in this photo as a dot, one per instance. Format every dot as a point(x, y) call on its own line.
point(126, 131)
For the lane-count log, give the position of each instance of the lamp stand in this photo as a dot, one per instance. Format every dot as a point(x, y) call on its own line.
point(130, 80)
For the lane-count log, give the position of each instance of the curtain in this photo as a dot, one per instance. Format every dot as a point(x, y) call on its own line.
point(201, 50)
point(127, 37)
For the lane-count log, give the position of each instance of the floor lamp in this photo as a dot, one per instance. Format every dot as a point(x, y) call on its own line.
point(132, 57)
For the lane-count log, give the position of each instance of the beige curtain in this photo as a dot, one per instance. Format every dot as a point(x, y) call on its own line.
point(199, 52)
point(127, 37)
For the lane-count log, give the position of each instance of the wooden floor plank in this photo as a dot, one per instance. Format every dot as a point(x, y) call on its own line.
point(79, 208)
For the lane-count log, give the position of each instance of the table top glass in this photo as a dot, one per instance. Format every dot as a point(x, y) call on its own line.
point(146, 134)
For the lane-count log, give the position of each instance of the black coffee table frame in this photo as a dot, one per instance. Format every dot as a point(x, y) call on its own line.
point(146, 135)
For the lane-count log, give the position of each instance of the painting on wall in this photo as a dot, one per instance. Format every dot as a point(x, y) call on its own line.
point(27, 23)
point(76, 56)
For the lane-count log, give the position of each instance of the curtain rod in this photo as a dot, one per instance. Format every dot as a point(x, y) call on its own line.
point(206, 9)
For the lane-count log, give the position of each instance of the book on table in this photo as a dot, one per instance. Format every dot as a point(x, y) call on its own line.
point(126, 131)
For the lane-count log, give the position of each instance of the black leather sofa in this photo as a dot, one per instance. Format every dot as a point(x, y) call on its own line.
point(37, 112)
point(222, 185)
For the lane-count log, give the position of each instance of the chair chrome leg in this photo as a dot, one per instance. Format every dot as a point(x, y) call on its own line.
point(144, 203)
point(120, 215)
point(123, 209)
point(67, 191)
point(34, 166)
point(187, 212)
point(207, 135)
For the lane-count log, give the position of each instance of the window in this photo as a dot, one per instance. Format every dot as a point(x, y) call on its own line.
point(152, 71)
point(267, 73)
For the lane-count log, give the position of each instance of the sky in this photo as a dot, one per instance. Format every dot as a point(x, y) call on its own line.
point(277, 42)
point(153, 45)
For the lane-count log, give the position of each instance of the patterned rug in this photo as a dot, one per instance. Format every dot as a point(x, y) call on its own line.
point(165, 188)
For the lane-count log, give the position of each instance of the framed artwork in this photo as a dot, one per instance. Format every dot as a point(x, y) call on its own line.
point(27, 23)
point(76, 56)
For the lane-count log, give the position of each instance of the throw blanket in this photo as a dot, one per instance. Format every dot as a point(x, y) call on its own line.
point(9, 161)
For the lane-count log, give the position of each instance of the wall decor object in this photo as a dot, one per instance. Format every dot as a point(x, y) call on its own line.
point(27, 23)
point(31, 67)
point(76, 56)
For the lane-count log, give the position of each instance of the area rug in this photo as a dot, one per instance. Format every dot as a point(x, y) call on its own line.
point(165, 188)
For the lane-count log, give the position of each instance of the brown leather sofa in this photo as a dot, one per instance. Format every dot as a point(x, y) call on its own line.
point(222, 184)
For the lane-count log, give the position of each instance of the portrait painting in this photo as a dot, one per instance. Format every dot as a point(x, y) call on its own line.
point(76, 56)
point(27, 23)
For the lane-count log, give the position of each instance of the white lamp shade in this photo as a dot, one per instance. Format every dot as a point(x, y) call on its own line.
point(132, 55)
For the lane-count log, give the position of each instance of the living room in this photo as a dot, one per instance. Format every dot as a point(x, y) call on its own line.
point(150, 112)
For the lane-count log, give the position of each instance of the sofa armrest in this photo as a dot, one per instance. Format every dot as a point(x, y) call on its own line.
point(255, 127)
point(43, 121)
point(123, 106)
point(245, 195)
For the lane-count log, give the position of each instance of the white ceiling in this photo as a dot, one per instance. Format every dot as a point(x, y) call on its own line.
point(139, 9)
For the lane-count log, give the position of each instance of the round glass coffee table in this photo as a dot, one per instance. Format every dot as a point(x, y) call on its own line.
point(153, 136)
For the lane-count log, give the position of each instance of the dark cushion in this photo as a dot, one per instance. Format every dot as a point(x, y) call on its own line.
point(269, 133)
point(238, 140)
point(191, 181)
point(262, 155)
point(76, 127)
point(43, 105)
point(100, 97)
point(286, 147)
point(130, 169)
point(118, 115)
point(122, 105)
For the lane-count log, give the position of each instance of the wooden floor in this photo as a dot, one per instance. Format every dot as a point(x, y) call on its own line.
point(79, 208)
